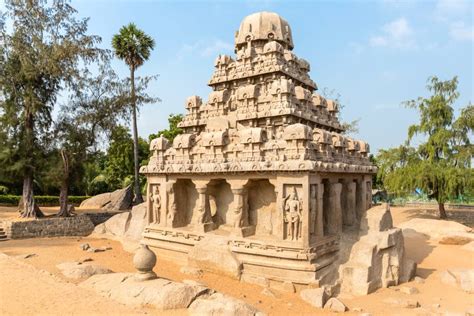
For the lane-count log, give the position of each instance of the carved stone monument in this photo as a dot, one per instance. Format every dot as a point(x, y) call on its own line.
point(262, 166)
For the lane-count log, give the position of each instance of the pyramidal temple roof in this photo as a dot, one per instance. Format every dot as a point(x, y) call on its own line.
point(263, 114)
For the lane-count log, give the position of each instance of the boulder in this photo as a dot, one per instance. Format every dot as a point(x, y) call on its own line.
point(111, 201)
point(435, 228)
point(222, 305)
point(81, 270)
point(409, 290)
point(469, 246)
point(214, 255)
point(335, 305)
point(159, 293)
point(127, 225)
point(376, 258)
point(463, 278)
point(456, 239)
point(315, 297)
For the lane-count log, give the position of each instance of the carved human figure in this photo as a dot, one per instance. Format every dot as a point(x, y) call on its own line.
point(293, 214)
point(172, 209)
point(156, 203)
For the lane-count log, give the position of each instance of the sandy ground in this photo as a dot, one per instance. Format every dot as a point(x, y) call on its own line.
point(27, 291)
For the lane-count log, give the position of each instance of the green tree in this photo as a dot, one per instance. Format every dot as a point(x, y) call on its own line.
point(172, 131)
point(44, 54)
point(441, 164)
point(134, 47)
point(119, 165)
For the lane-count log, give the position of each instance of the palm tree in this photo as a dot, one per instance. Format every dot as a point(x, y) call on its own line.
point(133, 46)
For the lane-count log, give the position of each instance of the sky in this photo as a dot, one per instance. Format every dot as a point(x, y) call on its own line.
point(375, 54)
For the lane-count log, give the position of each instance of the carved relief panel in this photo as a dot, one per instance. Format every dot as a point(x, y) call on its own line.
point(292, 212)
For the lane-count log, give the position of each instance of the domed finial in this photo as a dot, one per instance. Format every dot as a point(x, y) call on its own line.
point(264, 26)
point(144, 261)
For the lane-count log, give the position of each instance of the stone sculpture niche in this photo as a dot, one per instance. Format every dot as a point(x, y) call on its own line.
point(262, 175)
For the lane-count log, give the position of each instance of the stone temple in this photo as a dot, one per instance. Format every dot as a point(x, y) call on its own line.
point(263, 181)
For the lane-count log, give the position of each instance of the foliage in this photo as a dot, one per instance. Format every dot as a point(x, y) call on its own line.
point(441, 164)
point(44, 200)
point(350, 128)
point(47, 52)
point(172, 131)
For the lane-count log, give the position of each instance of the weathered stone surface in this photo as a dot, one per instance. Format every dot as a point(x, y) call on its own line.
point(79, 270)
point(79, 225)
point(118, 200)
point(315, 297)
point(463, 278)
point(335, 305)
point(128, 225)
point(213, 255)
point(377, 259)
point(435, 228)
point(219, 304)
point(468, 246)
point(191, 271)
point(159, 293)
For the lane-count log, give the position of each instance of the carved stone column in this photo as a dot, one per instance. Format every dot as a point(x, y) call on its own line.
point(335, 213)
point(172, 207)
point(360, 198)
point(239, 209)
point(202, 220)
point(349, 207)
point(320, 209)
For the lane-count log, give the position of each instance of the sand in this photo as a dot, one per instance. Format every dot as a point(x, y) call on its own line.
point(41, 293)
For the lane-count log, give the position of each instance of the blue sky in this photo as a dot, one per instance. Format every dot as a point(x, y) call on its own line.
point(376, 54)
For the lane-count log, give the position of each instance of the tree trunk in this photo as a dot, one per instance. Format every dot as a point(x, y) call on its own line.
point(63, 199)
point(442, 211)
point(138, 194)
point(30, 208)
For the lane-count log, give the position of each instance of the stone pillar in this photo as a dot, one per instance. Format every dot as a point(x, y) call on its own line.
point(202, 218)
point(320, 209)
point(239, 209)
point(360, 198)
point(349, 205)
point(335, 213)
point(168, 216)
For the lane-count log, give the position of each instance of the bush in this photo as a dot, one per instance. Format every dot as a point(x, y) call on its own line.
point(42, 200)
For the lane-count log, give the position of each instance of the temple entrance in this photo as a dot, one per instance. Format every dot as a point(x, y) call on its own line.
point(262, 211)
point(220, 197)
point(185, 197)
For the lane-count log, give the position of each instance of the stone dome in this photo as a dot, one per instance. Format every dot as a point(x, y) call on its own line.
point(264, 26)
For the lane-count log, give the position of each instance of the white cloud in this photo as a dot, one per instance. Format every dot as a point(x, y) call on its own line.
point(448, 9)
point(461, 32)
point(396, 34)
point(205, 49)
point(217, 47)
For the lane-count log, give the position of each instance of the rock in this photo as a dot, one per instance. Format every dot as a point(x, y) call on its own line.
point(85, 246)
point(470, 311)
point(92, 249)
point(117, 225)
point(408, 270)
point(335, 305)
point(468, 246)
point(191, 271)
point(219, 304)
point(137, 222)
point(377, 219)
point(463, 278)
point(26, 256)
point(409, 290)
point(268, 292)
point(213, 255)
point(193, 282)
point(456, 239)
point(118, 200)
point(436, 306)
point(410, 304)
point(158, 293)
point(78, 270)
point(86, 259)
point(419, 280)
point(315, 297)
point(357, 309)
point(435, 228)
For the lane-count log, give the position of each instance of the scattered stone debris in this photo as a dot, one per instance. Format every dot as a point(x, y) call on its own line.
point(191, 271)
point(268, 292)
point(335, 305)
point(419, 280)
point(89, 248)
point(85, 259)
point(456, 239)
point(84, 247)
point(315, 297)
point(409, 290)
point(80, 270)
point(26, 256)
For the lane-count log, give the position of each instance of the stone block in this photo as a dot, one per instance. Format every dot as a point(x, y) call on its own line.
point(315, 297)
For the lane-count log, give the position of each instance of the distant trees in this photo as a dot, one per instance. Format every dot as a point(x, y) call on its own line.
point(44, 54)
point(441, 163)
point(133, 46)
point(172, 131)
